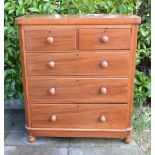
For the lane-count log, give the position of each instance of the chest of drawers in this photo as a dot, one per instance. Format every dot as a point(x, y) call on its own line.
point(78, 74)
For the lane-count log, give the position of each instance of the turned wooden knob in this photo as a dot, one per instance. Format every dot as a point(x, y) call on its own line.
point(102, 118)
point(50, 40)
point(53, 118)
point(52, 90)
point(51, 64)
point(105, 39)
point(103, 90)
point(104, 64)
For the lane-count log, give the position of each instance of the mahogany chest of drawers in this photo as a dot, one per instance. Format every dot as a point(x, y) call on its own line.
point(78, 74)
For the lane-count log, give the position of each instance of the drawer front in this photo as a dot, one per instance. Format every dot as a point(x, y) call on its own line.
point(78, 90)
point(104, 39)
point(98, 63)
point(49, 40)
point(94, 116)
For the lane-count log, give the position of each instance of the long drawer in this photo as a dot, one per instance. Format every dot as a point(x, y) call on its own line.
point(78, 90)
point(104, 38)
point(94, 116)
point(85, 63)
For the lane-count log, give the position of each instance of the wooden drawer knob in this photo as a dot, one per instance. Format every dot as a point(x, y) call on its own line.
point(51, 64)
point(53, 118)
point(104, 64)
point(105, 39)
point(102, 118)
point(103, 90)
point(52, 90)
point(50, 40)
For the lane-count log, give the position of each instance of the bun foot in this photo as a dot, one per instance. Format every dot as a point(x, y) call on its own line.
point(31, 139)
point(127, 140)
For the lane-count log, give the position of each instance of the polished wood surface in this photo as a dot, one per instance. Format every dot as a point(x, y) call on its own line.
point(73, 133)
point(50, 40)
point(78, 19)
point(114, 39)
point(78, 90)
point(52, 118)
point(80, 116)
point(132, 73)
point(52, 90)
point(24, 77)
point(81, 26)
point(78, 74)
point(105, 63)
point(50, 64)
point(105, 39)
point(63, 39)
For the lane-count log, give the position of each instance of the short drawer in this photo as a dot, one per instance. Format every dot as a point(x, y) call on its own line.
point(104, 39)
point(78, 90)
point(82, 116)
point(50, 39)
point(84, 63)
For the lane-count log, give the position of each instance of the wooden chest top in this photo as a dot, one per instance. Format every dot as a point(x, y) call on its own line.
point(79, 19)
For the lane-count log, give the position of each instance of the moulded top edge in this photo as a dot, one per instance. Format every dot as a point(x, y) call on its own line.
point(78, 19)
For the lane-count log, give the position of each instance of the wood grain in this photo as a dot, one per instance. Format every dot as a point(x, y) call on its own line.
point(64, 39)
point(132, 73)
point(79, 116)
point(77, 63)
point(92, 39)
point(47, 27)
point(78, 90)
point(78, 134)
point(24, 76)
point(84, 19)
point(78, 74)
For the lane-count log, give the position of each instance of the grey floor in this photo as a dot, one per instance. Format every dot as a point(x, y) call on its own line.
point(16, 142)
